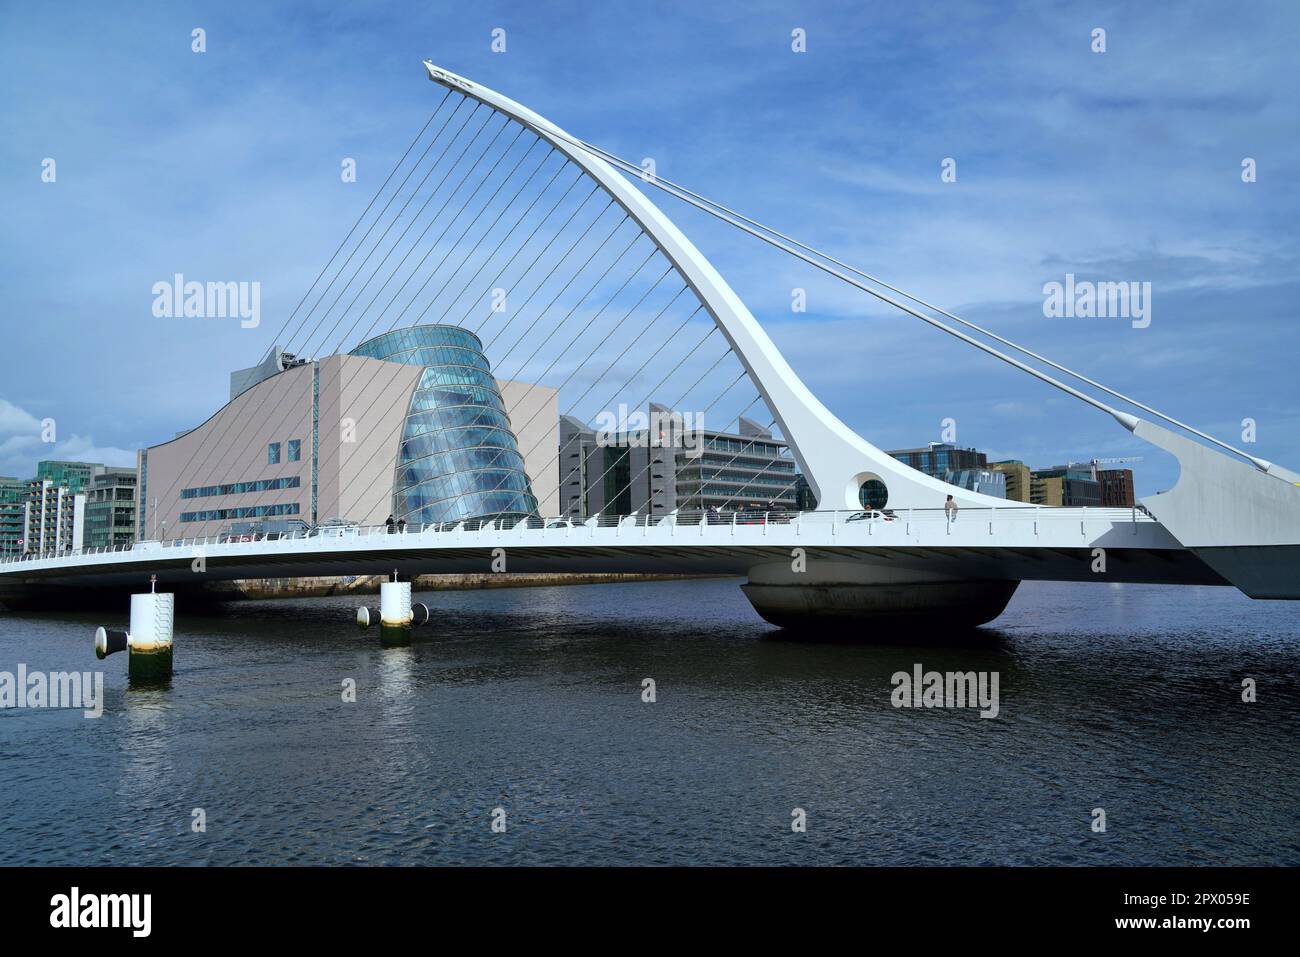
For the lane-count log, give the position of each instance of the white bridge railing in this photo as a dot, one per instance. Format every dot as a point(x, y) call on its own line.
point(708, 523)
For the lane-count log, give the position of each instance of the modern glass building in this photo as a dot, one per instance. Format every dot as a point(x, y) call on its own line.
point(74, 476)
point(1065, 485)
point(458, 457)
point(13, 508)
point(110, 508)
point(965, 468)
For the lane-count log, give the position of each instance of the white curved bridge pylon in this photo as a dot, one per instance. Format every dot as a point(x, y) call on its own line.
point(834, 459)
point(1222, 508)
point(1225, 521)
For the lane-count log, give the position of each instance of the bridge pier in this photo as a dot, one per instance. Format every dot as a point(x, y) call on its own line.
point(873, 600)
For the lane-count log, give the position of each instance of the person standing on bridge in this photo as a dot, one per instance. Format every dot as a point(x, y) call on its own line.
point(950, 509)
point(391, 524)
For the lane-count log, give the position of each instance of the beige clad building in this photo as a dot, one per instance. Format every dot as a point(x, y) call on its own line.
point(1047, 491)
point(1018, 478)
point(418, 429)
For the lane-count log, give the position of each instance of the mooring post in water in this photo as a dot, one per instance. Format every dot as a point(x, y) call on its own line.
point(396, 614)
point(148, 641)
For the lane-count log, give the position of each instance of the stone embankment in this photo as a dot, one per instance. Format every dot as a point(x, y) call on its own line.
point(251, 589)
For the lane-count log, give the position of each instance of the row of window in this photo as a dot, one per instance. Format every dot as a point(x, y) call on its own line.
point(473, 437)
point(247, 511)
point(739, 461)
point(237, 488)
point(745, 491)
point(742, 445)
point(694, 478)
point(442, 464)
point(417, 337)
point(273, 451)
point(463, 484)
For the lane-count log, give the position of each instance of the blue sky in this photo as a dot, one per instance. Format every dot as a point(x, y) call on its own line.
point(1120, 166)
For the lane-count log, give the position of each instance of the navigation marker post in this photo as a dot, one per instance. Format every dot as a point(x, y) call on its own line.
point(396, 614)
point(148, 641)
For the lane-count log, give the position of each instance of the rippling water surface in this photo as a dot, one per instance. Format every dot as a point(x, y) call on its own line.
point(1126, 698)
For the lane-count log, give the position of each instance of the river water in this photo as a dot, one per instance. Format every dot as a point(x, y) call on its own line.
point(1123, 698)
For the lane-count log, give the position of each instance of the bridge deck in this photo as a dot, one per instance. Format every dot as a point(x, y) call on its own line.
point(1022, 543)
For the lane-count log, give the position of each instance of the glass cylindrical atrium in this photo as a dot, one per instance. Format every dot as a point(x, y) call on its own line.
point(458, 457)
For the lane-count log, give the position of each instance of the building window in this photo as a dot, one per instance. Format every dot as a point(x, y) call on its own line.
point(239, 488)
point(295, 450)
point(273, 453)
point(248, 511)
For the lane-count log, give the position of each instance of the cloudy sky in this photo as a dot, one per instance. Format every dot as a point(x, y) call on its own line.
point(1117, 166)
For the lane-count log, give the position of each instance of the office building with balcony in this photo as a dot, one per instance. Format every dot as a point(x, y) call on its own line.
point(54, 518)
point(74, 476)
point(110, 507)
point(662, 469)
point(1018, 478)
point(409, 424)
point(13, 510)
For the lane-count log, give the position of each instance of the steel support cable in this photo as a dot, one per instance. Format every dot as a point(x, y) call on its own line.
point(519, 252)
point(787, 487)
point(554, 268)
point(190, 462)
point(397, 430)
point(357, 223)
point(626, 349)
point(352, 376)
point(434, 245)
point(756, 477)
point(578, 367)
point(582, 299)
point(509, 231)
point(732, 461)
point(660, 384)
point(562, 258)
point(479, 242)
point(558, 262)
point(555, 458)
point(255, 419)
point(674, 406)
point(407, 228)
point(631, 378)
point(740, 415)
point(561, 323)
point(618, 325)
point(396, 193)
point(784, 242)
point(650, 460)
point(650, 395)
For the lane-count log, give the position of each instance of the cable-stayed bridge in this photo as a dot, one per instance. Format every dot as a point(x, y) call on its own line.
point(562, 275)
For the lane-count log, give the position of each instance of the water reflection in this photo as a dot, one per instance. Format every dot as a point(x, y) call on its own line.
point(531, 699)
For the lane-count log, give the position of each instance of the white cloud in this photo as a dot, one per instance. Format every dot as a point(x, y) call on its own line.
point(15, 420)
point(21, 445)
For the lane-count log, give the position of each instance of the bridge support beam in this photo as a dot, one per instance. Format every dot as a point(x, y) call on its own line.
point(874, 601)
